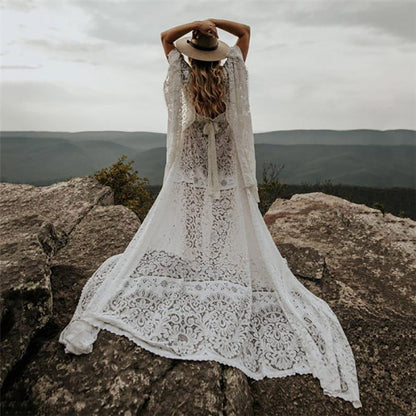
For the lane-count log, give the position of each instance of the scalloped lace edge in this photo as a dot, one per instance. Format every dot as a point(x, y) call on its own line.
point(205, 356)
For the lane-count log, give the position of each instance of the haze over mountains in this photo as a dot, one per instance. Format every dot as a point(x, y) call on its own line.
point(356, 157)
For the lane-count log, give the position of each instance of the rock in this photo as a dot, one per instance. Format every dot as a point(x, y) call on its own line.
point(239, 399)
point(103, 232)
point(27, 242)
point(63, 203)
point(368, 279)
point(117, 377)
point(190, 388)
point(357, 259)
point(35, 223)
point(369, 257)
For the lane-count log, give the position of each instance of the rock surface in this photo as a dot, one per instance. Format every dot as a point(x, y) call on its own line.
point(53, 238)
point(27, 242)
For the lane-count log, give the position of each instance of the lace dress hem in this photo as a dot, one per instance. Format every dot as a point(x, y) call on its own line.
point(116, 327)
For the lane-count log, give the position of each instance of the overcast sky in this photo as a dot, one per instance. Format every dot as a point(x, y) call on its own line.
point(100, 65)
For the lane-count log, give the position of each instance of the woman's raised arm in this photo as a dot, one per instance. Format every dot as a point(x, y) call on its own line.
point(169, 36)
point(238, 29)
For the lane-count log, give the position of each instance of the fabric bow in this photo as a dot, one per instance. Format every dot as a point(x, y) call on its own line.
point(211, 128)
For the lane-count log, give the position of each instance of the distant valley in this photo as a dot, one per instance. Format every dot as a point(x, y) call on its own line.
point(356, 157)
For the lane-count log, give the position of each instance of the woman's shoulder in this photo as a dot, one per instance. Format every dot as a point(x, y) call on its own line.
point(234, 54)
point(177, 61)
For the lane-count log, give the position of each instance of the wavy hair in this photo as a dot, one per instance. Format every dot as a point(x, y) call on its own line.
point(206, 87)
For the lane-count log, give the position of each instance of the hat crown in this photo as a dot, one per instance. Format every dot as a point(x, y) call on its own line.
point(204, 41)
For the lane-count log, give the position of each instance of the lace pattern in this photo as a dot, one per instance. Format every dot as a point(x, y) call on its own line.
point(181, 114)
point(202, 278)
point(194, 154)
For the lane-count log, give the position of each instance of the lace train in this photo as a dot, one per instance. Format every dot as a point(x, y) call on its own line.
point(251, 313)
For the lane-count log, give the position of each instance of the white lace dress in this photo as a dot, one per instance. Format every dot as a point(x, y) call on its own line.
point(202, 279)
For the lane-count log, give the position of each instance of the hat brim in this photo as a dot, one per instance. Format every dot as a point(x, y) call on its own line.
point(184, 47)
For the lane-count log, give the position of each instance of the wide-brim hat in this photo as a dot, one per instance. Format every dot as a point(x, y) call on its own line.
point(202, 47)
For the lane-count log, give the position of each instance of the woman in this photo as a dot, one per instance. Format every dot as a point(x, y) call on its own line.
point(202, 279)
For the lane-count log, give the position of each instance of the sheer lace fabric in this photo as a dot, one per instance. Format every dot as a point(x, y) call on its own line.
point(202, 279)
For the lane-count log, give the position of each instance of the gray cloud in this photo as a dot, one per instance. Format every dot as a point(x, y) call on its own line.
point(24, 5)
point(332, 64)
point(130, 22)
point(41, 93)
point(83, 52)
point(20, 66)
point(396, 18)
point(65, 46)
point(119, 22)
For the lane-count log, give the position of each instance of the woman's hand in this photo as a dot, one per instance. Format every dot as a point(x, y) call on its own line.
point(205, 27)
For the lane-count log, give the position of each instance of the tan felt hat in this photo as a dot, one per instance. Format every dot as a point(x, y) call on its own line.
point(202, 47)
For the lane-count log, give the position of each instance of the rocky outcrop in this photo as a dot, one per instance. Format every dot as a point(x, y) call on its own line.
point(35, 223)
point(363, 263)
point(53, 238)
point(27, 242)
point(367, 257)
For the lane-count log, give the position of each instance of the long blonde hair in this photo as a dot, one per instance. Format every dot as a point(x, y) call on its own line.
point(206, 87)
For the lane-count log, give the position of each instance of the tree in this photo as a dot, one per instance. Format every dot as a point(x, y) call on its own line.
point(379, 206)
point(127, 186)
point(271, 188)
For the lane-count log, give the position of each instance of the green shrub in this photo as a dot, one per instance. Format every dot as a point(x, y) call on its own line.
point(129, 189)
